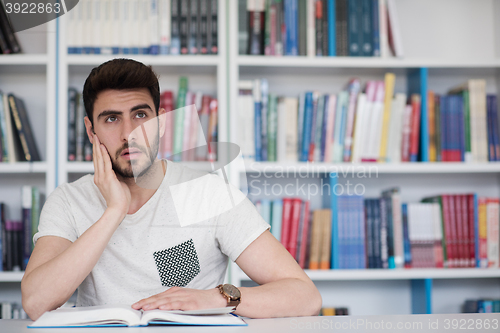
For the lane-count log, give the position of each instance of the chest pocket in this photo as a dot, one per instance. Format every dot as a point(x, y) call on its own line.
point(177, 265)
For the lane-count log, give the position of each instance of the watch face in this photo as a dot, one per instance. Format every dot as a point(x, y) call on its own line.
point(231, 291)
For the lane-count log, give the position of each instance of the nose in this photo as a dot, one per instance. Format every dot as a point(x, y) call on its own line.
point(128, 132)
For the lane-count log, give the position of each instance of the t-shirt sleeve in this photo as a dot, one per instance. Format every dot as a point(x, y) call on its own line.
point(239, 227)
point(55, 218)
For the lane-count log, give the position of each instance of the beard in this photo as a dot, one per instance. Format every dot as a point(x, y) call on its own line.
point(133, 169)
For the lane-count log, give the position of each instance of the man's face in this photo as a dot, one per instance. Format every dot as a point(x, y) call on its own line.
point(124, 121)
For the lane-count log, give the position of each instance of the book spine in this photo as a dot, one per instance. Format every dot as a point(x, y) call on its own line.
point(377, 234)
point(267, 28)
point(213, 130)
point(326, 240)
point(315, 246)
point(165, 25)
point(4, 135)
point(483, 233)
point(213, 31)
point(325, 27)
point(179, 119)
point(459, 230)
point(319, 27)
point(255, 28)
point(311, 28)
point(332, 34)
point(183, 26)
point(306, 132)
point(384, 245)
point(325, 122)
point(286, 222)
point(302, 27)
point(21, 135)
point(375, 28)
point(291, 27)
point(257, 119)
point(492, 212)
point(341, 28)
point(193, 27)
point(354, 89)
point(304, 234)
point(353, 28)
point(415, 127)
point(272, 128)
point(367, 26)
point(390, 80)
point(175, 36)
point(312, 138)
point(294, 227)
point(26, 194)
point(8, 31)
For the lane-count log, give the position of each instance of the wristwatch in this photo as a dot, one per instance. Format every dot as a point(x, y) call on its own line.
point(231, 293)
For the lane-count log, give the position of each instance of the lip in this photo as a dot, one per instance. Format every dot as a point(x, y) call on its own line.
point(131, 153)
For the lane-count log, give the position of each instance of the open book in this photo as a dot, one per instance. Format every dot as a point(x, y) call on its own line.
point(124, 315)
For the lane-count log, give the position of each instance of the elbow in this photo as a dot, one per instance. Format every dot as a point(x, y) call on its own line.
point(33, 308)
point(316, 302)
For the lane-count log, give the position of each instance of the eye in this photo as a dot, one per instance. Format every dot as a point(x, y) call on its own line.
point(110, 119)
point(141, 115)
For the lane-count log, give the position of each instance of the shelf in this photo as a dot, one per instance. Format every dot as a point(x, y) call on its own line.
point(159, 60)
point(397, 274)
point(373, 168)
point(11, 276)
point(23, 167)
point(359, 62)
point(23, 59)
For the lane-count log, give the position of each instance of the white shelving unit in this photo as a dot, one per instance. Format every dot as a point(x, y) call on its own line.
point(31, 76)
point(453, 49)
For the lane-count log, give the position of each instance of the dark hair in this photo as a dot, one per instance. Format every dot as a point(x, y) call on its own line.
point(119, 74)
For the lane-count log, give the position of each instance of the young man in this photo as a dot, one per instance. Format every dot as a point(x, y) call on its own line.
point(120, 241)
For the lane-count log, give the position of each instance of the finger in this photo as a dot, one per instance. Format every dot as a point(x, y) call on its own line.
point(171, 304)
point(99, 162)
point(105, 158)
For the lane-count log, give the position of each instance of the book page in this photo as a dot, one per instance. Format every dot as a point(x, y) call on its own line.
point(89, 316)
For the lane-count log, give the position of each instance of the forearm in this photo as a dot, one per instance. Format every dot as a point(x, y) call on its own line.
point(283, 298)
point(51, 284)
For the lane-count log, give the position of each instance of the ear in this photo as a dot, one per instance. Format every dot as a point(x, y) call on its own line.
point(162, 116)
point(89, 129)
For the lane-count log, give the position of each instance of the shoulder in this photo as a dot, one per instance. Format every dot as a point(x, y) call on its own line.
point(82, 188)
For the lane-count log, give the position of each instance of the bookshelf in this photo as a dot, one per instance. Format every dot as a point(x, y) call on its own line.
point(206, 73)
point(445, 51)
point(466, 48)
point(31, 76)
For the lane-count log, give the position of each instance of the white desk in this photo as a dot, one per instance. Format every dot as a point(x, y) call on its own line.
point(407, 324)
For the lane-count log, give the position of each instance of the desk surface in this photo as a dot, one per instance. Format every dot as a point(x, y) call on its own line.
point(484, 322)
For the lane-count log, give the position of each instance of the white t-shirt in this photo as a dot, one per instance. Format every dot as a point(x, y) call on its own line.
point(182, 236)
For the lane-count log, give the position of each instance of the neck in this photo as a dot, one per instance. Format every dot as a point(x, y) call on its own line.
point(144, 187)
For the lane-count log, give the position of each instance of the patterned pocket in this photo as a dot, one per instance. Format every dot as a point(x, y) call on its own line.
point(177, 265)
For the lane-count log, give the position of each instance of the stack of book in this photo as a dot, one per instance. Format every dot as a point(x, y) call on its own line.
point(143, 27)
point(10, 310)
point(16, 237)
point(377, 125)
point(17, 142)
point(320, 28)
point(486, 305)
point(190, 127)
point(8, 39)
point(449, 230)
point(463, 125)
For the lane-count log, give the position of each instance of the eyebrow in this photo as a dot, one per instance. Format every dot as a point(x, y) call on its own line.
point(114, 112)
